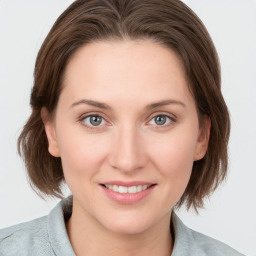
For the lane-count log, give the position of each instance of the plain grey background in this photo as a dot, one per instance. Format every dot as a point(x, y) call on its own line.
point(229, 215)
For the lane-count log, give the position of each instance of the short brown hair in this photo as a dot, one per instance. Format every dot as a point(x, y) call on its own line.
point(168, 22)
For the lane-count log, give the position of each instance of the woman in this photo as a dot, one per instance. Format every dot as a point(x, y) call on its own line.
point(126, 106)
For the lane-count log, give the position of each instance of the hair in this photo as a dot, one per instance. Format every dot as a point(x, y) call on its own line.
point(167, 22)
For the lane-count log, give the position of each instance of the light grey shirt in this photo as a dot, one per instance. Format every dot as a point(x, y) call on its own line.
point(48, 236)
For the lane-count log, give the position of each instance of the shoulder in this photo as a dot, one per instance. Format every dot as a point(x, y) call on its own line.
point(190, 242)
point(24, 237)
point(211, 246)
point(42, 236)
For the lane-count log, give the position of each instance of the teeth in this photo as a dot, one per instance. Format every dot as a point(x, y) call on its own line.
point(144, 187)
point(132, 189)
point(124, 190)
point(115, 188)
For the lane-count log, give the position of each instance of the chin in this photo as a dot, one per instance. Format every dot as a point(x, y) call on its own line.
point(128, 228)
point(129, 225)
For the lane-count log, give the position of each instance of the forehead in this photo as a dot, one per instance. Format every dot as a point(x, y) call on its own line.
point(128, 68)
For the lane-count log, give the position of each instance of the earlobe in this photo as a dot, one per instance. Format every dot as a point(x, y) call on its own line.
point(203, 138)
point(50, 133)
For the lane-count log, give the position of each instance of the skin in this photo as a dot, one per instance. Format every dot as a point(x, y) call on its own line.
point(128, 145)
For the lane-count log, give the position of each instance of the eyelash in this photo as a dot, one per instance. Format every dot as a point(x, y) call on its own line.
point(171, 120)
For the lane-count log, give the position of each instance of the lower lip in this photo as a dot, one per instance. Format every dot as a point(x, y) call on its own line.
point(127, 198)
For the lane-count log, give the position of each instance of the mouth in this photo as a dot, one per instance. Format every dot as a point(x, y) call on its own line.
point(124, 192)
point(127, 189)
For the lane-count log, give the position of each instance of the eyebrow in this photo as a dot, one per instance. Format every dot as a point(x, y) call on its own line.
point(164, 103)
point(91, 103)
point(107, 107)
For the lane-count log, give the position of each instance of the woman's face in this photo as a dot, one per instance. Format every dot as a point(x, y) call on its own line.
point(127, 131)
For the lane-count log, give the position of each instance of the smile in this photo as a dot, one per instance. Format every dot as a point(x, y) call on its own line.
point(124, 189)
point(125, 193)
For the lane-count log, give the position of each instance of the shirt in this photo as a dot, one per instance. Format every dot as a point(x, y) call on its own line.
point(48, 236)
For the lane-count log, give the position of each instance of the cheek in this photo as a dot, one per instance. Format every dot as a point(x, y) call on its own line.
point(81, 155)
point(174, 156)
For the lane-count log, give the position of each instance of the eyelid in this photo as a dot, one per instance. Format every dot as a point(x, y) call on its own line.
point(172, 117)
point(85, 115)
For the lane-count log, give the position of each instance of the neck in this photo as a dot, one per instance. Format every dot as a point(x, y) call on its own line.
point(88, 237)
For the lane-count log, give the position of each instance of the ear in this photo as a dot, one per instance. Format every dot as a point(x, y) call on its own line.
point(50, 131)
point(203, 138)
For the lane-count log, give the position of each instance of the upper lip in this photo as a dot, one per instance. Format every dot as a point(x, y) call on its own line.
point(127, 184)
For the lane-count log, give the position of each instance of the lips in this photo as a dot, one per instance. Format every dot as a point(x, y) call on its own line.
point(124, 189)
point(127, 192)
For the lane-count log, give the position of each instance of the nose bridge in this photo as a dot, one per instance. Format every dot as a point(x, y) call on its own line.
point(127, 152)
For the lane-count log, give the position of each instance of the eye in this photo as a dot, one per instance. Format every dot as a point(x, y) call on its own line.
point(93, 120)
point(161, 120)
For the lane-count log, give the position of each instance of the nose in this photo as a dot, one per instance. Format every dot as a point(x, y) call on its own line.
point(127, 154)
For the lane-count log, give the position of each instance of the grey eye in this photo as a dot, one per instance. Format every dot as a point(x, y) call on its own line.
point(160, 120)
point(94, 120)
